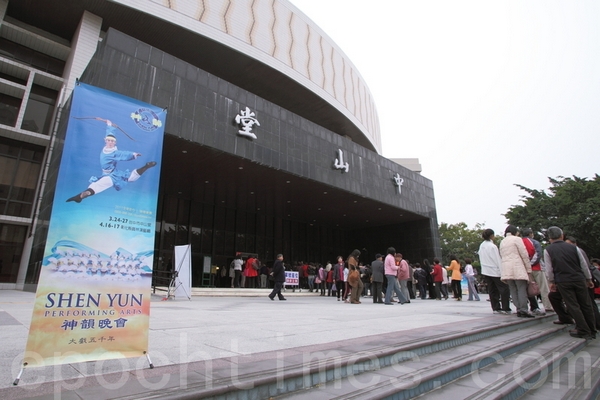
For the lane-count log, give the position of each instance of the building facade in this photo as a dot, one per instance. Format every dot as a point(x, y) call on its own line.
point(272, 140)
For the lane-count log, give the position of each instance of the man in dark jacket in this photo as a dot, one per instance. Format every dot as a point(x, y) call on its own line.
point(377, 279)
point(278, 278)
point(420, 276)
point(568, 272)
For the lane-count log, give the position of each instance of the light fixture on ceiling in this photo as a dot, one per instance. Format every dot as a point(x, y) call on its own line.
point(184, 151)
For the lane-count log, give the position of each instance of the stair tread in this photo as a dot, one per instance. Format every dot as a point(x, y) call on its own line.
point(373, 384)
point(487, 382)
point(571, 384)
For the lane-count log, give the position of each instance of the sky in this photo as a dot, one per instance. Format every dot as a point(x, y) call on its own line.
point(486, 94)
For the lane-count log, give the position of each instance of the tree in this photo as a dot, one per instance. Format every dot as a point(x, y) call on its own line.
point(459, 240)
point(572, 204)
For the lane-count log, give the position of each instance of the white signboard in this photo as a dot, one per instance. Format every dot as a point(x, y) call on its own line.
point(183, 267)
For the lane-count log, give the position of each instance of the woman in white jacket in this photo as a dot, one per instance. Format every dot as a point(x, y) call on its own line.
point(491, 265)
point(516, 269)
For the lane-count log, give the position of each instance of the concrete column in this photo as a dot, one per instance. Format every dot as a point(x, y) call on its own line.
point(24, 262)
point(83, 46)
point(3, 6)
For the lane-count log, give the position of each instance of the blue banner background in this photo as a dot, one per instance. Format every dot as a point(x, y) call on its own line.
point(94, 221)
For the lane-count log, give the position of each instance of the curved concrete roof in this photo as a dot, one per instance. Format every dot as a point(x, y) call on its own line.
point(279, 35)
point(267, 47)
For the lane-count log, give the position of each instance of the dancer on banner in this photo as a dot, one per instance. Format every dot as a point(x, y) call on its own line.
point(111, 176)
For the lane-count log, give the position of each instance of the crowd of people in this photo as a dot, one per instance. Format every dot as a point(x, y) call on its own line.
point(389, 277)
point(564, 277)
point(562, 272)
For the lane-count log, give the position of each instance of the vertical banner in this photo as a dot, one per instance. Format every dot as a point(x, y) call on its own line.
point(183, 268)
point(93, 295)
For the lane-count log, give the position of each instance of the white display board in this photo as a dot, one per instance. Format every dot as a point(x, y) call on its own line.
point(183, 266)
point(292, 278)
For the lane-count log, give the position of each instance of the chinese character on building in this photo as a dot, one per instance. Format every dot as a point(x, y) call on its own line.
point(339, 162)
point(398, 182)
point(246, 119)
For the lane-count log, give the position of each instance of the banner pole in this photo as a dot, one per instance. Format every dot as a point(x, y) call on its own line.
point(149, 361)
point(16, 382)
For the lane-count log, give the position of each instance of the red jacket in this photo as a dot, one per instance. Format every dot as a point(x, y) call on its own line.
point(437, 273)
point(531, 252)
point(304, 271)
point(330, 276)
point(249, 271)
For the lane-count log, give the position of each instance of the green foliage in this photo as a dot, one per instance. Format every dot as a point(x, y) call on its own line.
point(572, 204)
point(461, 241)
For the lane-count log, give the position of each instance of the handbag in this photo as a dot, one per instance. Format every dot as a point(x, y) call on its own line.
point(533, 289)
point(333, 288)
point(317, 280)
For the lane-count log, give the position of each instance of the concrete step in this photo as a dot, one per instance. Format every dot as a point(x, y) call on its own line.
point(371, 370)
point(512, 376)
point(237, 292)
point(577, 379)
point(414, 374)
point(534, 362)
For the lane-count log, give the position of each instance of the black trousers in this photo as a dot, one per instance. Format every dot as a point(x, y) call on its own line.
point(499, 293)
point(431, 287)
point(341, 289)
point(533, 304)
point(595, 308)
point(456, 288)
point(577, 299)
point(563, 314)
point(376, 288)
point(277, 291)
point(411, 289)
point(438, 290)
point(559, 307)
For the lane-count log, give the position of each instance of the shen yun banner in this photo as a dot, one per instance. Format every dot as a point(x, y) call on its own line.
point(93, 296)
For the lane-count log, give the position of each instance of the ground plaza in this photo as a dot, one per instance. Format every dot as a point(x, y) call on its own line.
point(197, 344)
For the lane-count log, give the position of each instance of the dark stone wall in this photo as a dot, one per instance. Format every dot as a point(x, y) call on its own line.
point(202, 109)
